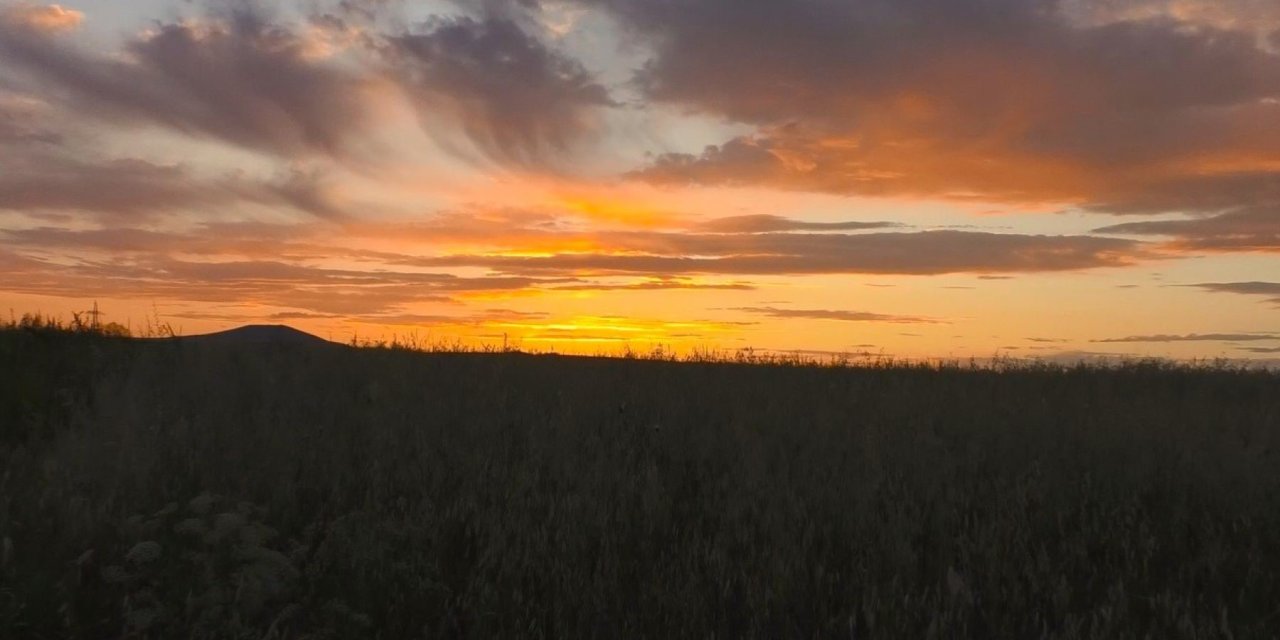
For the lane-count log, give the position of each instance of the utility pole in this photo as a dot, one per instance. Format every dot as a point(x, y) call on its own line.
point(94, 324)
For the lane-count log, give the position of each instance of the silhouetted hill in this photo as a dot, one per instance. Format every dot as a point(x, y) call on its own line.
point(257, 334)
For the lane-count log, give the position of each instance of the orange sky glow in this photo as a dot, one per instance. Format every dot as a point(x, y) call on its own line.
point(906, 178)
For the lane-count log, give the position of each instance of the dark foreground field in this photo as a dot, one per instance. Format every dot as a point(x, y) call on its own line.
point(222, 490)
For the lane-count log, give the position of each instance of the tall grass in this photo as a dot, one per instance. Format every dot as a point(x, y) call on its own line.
point(173, 489)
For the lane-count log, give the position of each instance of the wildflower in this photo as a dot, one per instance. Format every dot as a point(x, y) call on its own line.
point(144, 552)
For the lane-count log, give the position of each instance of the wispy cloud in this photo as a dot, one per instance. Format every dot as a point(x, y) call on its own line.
point(837, 315)
point(1271, 290)
point(658, 284)
point(764, 223)
point(927, 252)
point(1198, 337)
point(265, 283)
point(512, 95)
point(239, 79)
point(57, 181)
point(1251, 229)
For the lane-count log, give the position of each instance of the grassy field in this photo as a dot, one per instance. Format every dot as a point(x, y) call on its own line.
point(169, 489)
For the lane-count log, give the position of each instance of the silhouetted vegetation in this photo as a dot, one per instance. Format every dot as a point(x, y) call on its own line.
point(174, 488)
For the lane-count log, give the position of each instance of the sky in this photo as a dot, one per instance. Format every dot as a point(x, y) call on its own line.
point(905, 178)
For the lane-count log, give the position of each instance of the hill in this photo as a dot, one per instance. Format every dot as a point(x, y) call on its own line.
point(257, 334)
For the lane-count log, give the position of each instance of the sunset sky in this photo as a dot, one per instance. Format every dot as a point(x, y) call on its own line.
point(916, 178)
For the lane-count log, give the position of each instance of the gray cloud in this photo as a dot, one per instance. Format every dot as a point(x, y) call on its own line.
point(249, 261)
point(483, 317)
point(748, 250)
point(253, 239)
point(764, 223)
point(240, 80)
point(1255, 229)
point(20, 126)
point(929, 252)
point(659, 284)
point(739, 245)
point(58, 180)
point(302, 315)
point(243, 79)
point(838, 315)
point(48, 182)
point(1198, 337)
point(512, 95)
point(1270, 289)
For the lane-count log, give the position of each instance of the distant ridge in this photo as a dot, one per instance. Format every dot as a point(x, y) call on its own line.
point(258, 334)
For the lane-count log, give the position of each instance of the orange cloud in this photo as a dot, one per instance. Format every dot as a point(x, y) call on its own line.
point(1259, 15)
point(998, 101)
point(44, 18)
